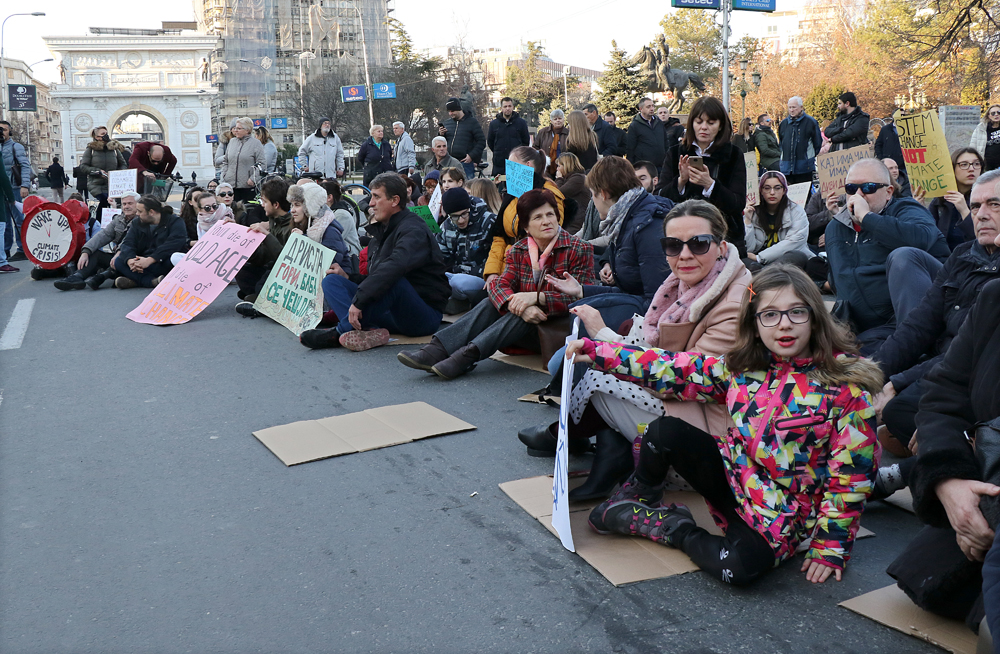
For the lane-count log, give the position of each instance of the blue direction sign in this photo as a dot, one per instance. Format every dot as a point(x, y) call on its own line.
point(696, 4)
point(279, 123)
point(754, 5)
point(211, 138)
point(384, 91)
point(353, 93)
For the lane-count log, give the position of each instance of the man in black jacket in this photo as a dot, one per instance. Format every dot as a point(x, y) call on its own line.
point(887, 144)
point(647, 135)
point(466, 140)
point(406, 288)
point(607, 139)
point(57, 179)
point(850, 127)
point(144, 257)
point(612, 120)
point(507, 131)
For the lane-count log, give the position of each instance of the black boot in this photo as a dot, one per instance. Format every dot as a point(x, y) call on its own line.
point(98, 279)
point(541, 441)
point(459, 363)
point(613, 463)
point(426, 357)
point(72, 283)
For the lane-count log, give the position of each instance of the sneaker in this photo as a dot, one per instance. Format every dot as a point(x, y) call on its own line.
point(96, 281)
point(658, 525)
point(631, 491)
point(318, 339)
point(361, 340)
point(125, 282)
point(8, 268)
point(71, 283)
point(888, 480)
point(248, 310)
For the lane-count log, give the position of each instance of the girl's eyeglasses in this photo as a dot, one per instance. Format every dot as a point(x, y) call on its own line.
point(700, 244)
point(966, 165)
point(771, 317)
point(210, 207)
point(225, 195)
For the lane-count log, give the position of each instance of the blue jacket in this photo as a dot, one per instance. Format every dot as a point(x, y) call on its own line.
point(857, 258)
point(800, 141)
point(635, 256)
point(333, 238)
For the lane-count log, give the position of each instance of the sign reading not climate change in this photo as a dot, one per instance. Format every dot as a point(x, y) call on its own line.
point(292, 295)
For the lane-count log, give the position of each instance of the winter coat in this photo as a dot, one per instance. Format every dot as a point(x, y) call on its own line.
point(575, 186)
point(792, 235)
point(465, 250)
point(588, 157)
point(12, 150)
point(375, 158)
point(101, 156)
point(675, 132)
point(543, 143)
point(403, 248)
point(156, 241)
point(742, 144)
point(887, 146)
point(857, 256)
point(505, 228)
point(325, 230)
point(404, 155)
point(729, 194)
point(801, 457)
point(979, 138)
point(280, 227)
point(326, 153)
point(504, 135)
point(646, 140)
point(635, 255)
point(140, 159)
point(465, 137)
point(819, 217)
point(848, 130)
point(349, 226)
point(242, 155)
point(56, 175)
point(960, 391)
point(922, 338)
point(448, 162)
point(113, 233)
point(270, 157)
point(607, 139)
point(766, 144)
point(949, 221)
point(801, 139)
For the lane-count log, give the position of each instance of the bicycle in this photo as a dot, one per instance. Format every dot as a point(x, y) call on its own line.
point(360, 206)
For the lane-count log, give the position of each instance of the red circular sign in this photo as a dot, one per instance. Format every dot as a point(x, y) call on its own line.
point(53, 234)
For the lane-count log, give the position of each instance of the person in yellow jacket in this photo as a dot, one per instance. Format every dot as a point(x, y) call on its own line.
point(505, 227)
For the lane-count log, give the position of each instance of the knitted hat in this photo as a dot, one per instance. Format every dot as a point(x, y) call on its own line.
point(324, 119)
point(311, 196)
point(455, 200)
point(434, 174)
point(453, 104)
point(767, 175)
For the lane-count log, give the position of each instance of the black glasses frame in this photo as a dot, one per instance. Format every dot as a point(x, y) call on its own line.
point(865, 187)
point(699, 244)
point(782, 314)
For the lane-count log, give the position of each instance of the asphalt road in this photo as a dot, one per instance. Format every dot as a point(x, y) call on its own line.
point(138, 513)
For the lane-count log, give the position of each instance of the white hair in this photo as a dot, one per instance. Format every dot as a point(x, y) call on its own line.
point(438, 139)
point(246, 123)
point(131, 194)
point(795, 99)
point(556, 113)
point(874, 165)
point(375, 128)
point(398, 124)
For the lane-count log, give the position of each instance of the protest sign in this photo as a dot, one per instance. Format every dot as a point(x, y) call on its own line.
point(200, 277)
point(49, 235)
point(799, 193)
point(107, 215)
point(750, 160)
point(292, 295)
point(121, 182)
point(520, 178)
point(425, 214)
point(833, 167)
point(959, 122)
point(434, 204)
point(925, 151)
point(560, 476)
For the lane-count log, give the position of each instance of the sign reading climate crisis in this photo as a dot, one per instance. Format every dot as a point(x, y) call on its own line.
point(49, 238)
point(200, 277)
point(292, 295)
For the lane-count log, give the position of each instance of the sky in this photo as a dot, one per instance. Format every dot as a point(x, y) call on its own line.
point(579, 36)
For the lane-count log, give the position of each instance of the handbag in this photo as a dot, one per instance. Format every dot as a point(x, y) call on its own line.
point(552, 332)
point(988, 455)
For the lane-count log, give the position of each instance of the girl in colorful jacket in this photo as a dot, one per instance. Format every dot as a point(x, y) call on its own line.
point(797, 466)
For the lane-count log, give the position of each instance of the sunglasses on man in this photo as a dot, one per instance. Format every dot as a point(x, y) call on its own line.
point(866, 187)
point(700, 244)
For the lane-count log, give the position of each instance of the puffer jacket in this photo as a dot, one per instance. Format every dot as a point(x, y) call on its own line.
point(766, 144)
point(465, 250)
point(505, 228)
point(848, 130)
point(801, 457)
point(792, 235)
point(114, 233)
point(242, 155)
point(465, 137)
point(326, 153)
point(923, 337)
point(101, 156)
point(12, 150)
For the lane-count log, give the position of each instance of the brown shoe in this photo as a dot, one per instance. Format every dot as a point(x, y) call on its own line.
point(458, 363)
point(361, 340)
point(125, 282)
point(426, 357)
point(157, 280)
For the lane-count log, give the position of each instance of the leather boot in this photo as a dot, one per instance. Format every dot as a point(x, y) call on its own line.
point(613, 463)
point(541, 441)
point(72, 283)
point(98, 279)
point(426, 357)
point(459, 363)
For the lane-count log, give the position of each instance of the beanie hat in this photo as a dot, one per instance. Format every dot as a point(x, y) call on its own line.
point(324, 119)
point(453, 104)
point(455, 200)
point(434, 174)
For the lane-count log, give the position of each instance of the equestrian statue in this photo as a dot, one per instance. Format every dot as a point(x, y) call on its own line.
point(654, 63)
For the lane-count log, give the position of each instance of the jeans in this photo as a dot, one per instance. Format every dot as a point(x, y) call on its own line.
point(470, 170)
point(401, 310)
point(3, 251)
point(900, 413)
point(909, 273)
point(95, 262)
point(484, 327)
point(462, 285)
point(13, 233)
point(146, 277)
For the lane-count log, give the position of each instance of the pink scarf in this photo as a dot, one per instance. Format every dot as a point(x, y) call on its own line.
point(538, 262)
point(672, 302)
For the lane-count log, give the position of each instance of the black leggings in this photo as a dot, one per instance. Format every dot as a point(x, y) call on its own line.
point(742, 555)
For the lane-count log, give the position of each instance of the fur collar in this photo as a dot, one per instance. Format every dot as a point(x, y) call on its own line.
point(101, 145)
point(734, 268)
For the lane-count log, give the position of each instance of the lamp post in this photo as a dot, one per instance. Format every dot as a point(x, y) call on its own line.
point(911, 102)
point(264, 65)
point(308, 55)
point(3, 70)
point(565, 87)
point(746, 86)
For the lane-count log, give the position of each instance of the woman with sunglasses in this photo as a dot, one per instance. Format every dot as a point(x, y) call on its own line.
point(189, 212)
point(794, 468)
point(777, 229)
point(695, 308)
point(951, 212)
point(986, 137)
point(209, 211)
point(224, 192)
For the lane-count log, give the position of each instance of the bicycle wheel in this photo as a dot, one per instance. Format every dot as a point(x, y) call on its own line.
point(359, 196)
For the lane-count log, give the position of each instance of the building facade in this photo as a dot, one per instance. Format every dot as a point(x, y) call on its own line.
point(39, 131)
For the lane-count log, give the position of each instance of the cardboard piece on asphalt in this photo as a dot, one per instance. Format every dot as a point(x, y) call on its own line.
point(534, 398)
point(399, 339)
point(530, 361)
point(452, 317)
point(620, 559)
point(312, 440)
point(902, 499)
point(890, 606)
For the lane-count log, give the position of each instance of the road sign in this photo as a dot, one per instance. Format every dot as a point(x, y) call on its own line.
point(353, 93)
point(258, 122)
point(384, 91)
point(279, 123)
point(22, 97)
point(695, 4)
point(211, 138)
point(754, 5)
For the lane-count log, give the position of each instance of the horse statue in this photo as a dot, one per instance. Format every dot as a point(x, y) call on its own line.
point(654, 63)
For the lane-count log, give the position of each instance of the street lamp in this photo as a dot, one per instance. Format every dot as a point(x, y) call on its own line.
point(308, 55)
point(746, 86)
point(264, 65)
point(3, 69)
point(911, 102)
point(565, 88)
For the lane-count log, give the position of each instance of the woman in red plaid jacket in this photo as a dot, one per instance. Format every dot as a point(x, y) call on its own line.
point(520, 298)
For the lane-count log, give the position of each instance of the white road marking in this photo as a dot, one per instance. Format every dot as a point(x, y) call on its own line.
point(17, 326)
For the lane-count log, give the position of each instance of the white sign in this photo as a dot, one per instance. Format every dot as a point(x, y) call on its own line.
point(107, 215)
point(799, 193)
point(120, 182)
point(48, 237)
point(560, 476)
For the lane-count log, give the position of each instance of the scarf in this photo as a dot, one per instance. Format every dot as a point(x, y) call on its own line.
point(538, 262)
point(205, 222)
point(618, 211)
point(672, 302)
